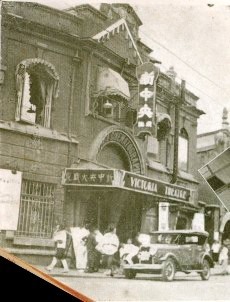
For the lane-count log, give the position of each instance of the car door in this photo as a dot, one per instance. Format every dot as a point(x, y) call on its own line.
point(198, 251)
point(186, 252)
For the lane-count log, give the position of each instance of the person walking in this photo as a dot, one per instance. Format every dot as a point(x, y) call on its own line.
point(215, 249)
point(91, 243)
point(223, 259)
point(109, 247)
point(60, 239)
point(79, 238)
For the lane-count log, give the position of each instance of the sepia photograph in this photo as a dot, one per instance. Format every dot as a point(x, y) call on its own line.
point(115, 147)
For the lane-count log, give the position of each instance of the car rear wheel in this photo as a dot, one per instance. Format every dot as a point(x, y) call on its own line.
point(169, 270)
point(130, 274)
point(205, 274)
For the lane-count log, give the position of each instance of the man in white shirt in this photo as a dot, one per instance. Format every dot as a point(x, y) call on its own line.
point(223, 259)
point(60, 239)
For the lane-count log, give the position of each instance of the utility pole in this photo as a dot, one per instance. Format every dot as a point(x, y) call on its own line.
point(179, 101)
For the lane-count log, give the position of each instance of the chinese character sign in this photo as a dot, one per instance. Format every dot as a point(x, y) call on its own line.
point(147, 75)
point(88, 177)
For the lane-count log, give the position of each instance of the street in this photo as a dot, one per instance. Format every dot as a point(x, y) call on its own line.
point(151, 288)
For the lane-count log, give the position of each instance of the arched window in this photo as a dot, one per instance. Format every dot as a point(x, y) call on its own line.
point(37, 85)
point(183, 150)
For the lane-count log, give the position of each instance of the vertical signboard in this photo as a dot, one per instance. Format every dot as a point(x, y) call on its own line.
point(147, 75)
point(198, 222)
point(163, 222)
point(10, 192)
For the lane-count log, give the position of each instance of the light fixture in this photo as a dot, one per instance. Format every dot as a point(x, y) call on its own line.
point(107, 105)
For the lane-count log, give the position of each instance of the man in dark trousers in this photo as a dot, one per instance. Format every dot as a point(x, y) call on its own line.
point(92, 253)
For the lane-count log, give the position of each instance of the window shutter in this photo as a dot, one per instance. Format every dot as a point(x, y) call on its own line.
point(48, 103)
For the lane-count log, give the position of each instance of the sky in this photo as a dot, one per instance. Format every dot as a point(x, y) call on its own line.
point(193, 37)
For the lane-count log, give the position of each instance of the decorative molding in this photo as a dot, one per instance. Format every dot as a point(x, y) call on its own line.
point(40, 49)
point(115, 28)
point(117, 135)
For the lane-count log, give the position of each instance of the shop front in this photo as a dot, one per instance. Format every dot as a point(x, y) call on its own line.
point(134, 203)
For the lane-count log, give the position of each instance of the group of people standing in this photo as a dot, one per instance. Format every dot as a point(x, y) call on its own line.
point(90, 248)
point(221, 254)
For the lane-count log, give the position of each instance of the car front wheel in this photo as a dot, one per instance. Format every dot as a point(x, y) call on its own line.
point(169, 270)
point(205, 274)
point(130, 274)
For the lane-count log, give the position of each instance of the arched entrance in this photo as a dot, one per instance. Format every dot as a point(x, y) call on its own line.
point(226, 233)
point(117, 149)
point(117, 141)
point(225, 226)
point(113, 156)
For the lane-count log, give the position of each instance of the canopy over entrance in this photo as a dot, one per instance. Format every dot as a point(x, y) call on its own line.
point(104, 178)
point(109, 82)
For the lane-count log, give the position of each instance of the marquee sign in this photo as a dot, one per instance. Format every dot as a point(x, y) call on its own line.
point(156, 187)
point(88, 177)
point(147, 75)
point(124, 180)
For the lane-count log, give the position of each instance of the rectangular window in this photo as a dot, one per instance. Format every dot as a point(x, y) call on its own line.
point(183, 150)
point(36, 209)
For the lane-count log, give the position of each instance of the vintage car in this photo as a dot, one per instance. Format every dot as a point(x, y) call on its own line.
point(169, 252)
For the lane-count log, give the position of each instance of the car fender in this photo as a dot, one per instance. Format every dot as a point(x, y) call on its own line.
point(208, 257)
point(172, 256)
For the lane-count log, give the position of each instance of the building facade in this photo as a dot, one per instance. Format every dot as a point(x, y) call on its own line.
point(70, 104)
point(209, 146)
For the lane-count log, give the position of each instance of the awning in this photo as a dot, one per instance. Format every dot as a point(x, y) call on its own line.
point(109, 82)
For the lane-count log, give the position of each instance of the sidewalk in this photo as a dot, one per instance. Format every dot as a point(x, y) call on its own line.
point(57, 272)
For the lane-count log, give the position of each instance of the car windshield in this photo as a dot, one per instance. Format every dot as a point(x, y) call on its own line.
point(165, 238)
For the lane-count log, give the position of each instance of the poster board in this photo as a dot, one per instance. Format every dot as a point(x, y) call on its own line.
point(10, 194)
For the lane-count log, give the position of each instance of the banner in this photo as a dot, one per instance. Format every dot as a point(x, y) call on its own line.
point(198, 222)
point(10, 194)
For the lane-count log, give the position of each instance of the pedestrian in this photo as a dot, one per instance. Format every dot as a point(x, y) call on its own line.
point(215, 249)
point(99, 240)
point(109, 247)
point(92, 257)
point(60, 239)
point(223, 259)
point(127, 252)
point(79, 238)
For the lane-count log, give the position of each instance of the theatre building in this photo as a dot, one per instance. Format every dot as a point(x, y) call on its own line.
point(90, 127)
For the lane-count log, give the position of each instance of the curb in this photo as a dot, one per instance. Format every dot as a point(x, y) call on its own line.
point(75, 274)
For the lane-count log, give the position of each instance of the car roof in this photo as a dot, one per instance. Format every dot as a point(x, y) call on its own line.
point(188, 232)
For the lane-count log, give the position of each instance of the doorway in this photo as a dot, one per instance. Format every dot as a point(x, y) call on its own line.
point(226, 233)
point(181, 223)
point(130, 220)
